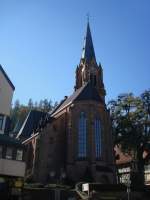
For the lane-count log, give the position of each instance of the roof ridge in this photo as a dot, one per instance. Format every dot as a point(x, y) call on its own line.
point(70, 99)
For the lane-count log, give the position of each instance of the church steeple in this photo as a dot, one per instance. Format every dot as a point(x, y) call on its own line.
point(88, 70)
point(88, 53)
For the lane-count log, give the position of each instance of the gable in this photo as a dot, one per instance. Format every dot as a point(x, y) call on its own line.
point(7, 78)
point(86, 92)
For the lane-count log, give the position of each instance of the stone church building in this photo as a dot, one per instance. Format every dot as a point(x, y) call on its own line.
point(74, 142)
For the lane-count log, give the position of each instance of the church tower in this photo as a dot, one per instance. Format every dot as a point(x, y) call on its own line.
point(88, 69)
point(90, 147)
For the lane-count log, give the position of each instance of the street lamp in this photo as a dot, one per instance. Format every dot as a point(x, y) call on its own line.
point(128, 188)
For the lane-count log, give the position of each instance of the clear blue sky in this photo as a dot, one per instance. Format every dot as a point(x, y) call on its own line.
point(41, 42)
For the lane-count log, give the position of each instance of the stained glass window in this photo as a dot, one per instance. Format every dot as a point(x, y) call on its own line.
point(98, 140)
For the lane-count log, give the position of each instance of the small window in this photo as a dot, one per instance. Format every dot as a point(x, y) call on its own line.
point(9, 153)
point(1, 121)
point(19, 154)
point(93, 79)
point(1, 151)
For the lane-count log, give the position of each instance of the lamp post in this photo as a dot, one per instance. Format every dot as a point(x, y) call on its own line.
point(52, 175)
point(128, 188)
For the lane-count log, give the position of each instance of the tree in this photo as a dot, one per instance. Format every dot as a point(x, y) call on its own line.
point(55, 104)
point(14, 114)
point(146, 105)
point(46, 107)
point(19, 112)
point(130, 116)
point(17, 105)
point(50, 105)
point(21, 115)
point(36, 105)
point(30, 104)
point(40, 106)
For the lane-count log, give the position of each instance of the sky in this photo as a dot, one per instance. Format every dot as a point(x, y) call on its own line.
point(41, 43)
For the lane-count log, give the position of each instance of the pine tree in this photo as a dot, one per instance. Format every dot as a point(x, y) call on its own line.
point(30, 104)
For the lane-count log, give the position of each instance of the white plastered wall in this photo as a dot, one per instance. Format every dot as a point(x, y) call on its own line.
point(6, 93)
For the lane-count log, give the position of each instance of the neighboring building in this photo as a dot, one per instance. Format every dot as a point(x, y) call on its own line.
point(12, 166)
point(74, 142)
point(6, 93)
point(125, 165)
point(11, 157)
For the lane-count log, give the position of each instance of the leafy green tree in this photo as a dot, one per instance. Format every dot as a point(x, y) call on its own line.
point(146, 107)
point(130, 117)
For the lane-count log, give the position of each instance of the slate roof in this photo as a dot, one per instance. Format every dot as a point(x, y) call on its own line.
point(7, 140)
point(89, 93)
point(31, 123)
point(88, 50)
point(7, 78)
point(35, 118)
point(86, 92)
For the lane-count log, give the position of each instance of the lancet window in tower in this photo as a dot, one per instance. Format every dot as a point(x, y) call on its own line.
point(98, 137)
point(82, 136)
point(93, 79)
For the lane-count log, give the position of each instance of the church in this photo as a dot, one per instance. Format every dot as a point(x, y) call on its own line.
point(74, 142)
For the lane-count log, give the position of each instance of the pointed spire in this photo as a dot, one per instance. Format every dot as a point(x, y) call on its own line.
point(88, 53)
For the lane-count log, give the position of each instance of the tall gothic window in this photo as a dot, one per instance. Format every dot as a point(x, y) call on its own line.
point(98, 137)
point(82, 138)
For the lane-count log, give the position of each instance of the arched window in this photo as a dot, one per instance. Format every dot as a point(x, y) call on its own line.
point(93, 79)
point(82, 138)
point(98, 137)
